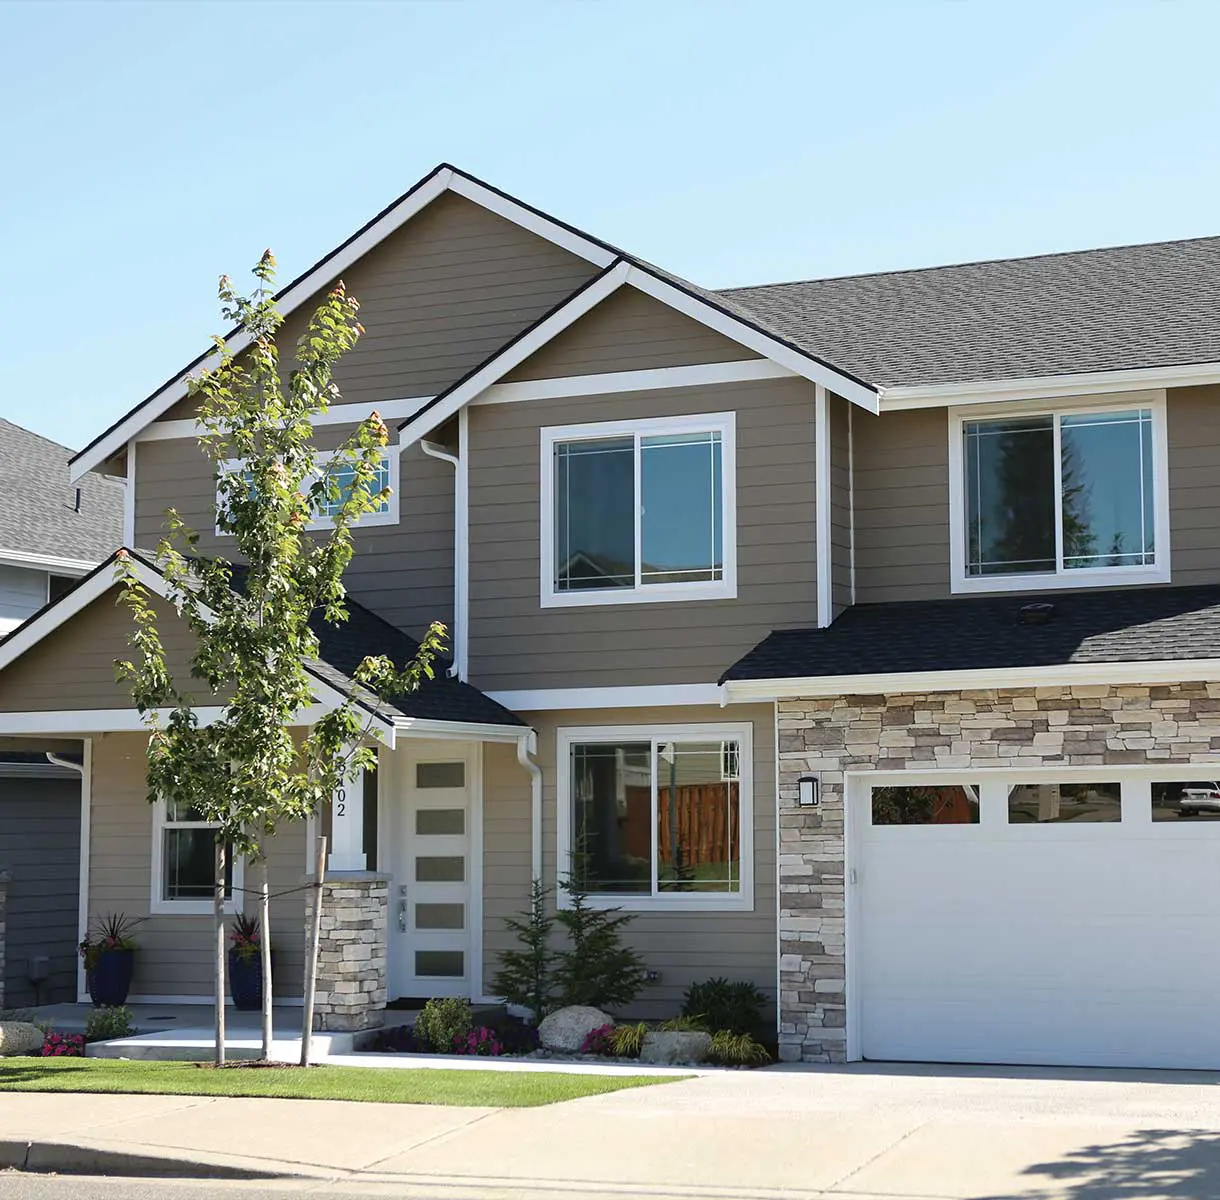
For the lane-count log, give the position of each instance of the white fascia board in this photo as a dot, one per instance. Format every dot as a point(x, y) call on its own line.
point(907, 683)
point(607, 383)
point(47, 562)
point(513, 355)
point(466, 731)
point(746, 335)
point(531, 220)
point(340, 414)
point(644, 696)
point(442, 180)
point(1046, 387)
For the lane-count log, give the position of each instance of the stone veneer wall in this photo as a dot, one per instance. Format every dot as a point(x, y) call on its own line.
point(1075, 726)
point(351, 984)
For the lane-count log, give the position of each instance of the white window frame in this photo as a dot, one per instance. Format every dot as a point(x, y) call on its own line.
point(1079, 578)
point(390, 456)
point(158, 904)
point(724, 424)
point(742, 733)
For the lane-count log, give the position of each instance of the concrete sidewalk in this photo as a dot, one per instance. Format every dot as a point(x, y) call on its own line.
point(867, 1131)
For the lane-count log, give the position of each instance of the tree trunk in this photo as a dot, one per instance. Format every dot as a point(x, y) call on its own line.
point(264, 925)
point(218, 913)
point(311, 951)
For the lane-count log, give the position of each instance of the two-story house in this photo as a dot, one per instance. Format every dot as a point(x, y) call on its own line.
point(862, 634)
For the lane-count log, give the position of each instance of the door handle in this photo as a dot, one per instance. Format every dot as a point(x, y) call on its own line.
point(402, 916)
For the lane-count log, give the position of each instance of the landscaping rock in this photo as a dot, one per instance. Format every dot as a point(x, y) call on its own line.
point(17, 1037)
point(567, 1028)
point(676, 1048)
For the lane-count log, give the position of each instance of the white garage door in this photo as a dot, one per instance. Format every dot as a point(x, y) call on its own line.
point(1073, 923)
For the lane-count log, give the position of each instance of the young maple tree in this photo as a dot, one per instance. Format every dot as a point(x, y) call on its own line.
point(253, 616)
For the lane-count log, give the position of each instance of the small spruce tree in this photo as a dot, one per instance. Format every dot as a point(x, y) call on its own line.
point(526, 976)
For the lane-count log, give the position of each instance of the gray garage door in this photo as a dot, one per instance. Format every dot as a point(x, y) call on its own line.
point(40, 846)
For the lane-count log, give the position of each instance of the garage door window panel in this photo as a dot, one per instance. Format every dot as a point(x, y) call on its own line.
point(1064, 803)
point(930, 804)
point(1193, 800)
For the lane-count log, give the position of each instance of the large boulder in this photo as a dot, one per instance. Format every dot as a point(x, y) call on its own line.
point(566, 1028)
point(18, 1037)
point(671, 1049)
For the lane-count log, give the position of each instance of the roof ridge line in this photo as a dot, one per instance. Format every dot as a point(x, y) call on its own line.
point(975, 262)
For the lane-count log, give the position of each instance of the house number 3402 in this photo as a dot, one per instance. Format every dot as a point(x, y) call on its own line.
point(341, 802)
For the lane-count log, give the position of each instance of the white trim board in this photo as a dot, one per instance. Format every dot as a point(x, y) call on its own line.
point(462, 731)
point(442, 179)
point(339, 414)
point(54, 563)
point(627, 274)
point(1046, 387)
point(1169, 670)
point(607, 383)
point(644, 696)
point(823, 551)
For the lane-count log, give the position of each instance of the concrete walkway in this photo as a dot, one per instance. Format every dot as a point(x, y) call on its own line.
point(913, 1133)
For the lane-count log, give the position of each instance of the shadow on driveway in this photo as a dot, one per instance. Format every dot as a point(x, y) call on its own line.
point(1150, 1164)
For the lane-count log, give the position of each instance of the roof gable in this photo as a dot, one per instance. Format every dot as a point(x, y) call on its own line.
point(443, 179)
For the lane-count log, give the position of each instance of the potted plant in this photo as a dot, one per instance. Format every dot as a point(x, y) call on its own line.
point(246, 964)
point(109, 953)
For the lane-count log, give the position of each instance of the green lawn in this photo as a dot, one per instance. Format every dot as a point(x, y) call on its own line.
point(492, 1089)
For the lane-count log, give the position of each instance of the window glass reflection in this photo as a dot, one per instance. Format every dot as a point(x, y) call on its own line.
point(1059, 803)
point(1194, 800)
point(950, 804)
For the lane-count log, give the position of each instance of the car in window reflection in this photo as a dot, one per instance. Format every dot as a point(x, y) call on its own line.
point(1199, 798)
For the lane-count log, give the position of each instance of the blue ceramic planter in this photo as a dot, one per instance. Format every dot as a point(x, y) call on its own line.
point(246, 982)
point(110, 980)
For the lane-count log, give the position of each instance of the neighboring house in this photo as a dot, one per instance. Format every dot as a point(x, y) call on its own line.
point(52, 532)
point(863, 632)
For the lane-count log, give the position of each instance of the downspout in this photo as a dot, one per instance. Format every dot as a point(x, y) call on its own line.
point(527, 744)
point(435, 450)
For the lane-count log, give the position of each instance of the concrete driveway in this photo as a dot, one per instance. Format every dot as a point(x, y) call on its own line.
point(781, 1134)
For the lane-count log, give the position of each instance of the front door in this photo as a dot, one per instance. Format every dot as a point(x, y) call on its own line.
point(430, 917)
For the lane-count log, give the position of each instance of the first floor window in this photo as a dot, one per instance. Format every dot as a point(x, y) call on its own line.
point(1060, 493)
point(658, 817)
point(642, 511)
point(188, 857)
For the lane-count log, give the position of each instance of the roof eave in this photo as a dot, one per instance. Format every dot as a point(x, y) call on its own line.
point(1046, 387)
point(1168, 670)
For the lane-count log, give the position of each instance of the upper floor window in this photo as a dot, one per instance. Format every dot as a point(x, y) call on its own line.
point(1069, 498)
point(386, 475)
point(637, 511)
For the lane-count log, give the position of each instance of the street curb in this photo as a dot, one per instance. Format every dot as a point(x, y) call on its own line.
point(76, 1158)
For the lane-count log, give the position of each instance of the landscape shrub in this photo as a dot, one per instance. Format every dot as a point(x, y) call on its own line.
point(599, 1041)
point(481, 1041)
point(725, 1007)
point(103, 1024)
point(738, 1050)
point(442, 1022)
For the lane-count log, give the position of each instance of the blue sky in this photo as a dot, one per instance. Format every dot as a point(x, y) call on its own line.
point(150, 146)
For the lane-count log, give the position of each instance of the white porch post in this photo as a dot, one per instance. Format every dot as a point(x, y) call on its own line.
point(347, 825)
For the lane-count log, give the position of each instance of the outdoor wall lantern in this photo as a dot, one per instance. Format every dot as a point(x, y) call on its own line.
point(807, 796)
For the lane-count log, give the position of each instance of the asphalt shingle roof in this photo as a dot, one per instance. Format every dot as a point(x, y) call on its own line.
point(1140, 625)
point(1128, 307)
point(345, 645)
point(39, 514)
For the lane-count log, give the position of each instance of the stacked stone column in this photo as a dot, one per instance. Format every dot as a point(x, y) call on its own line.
point(351, 984)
